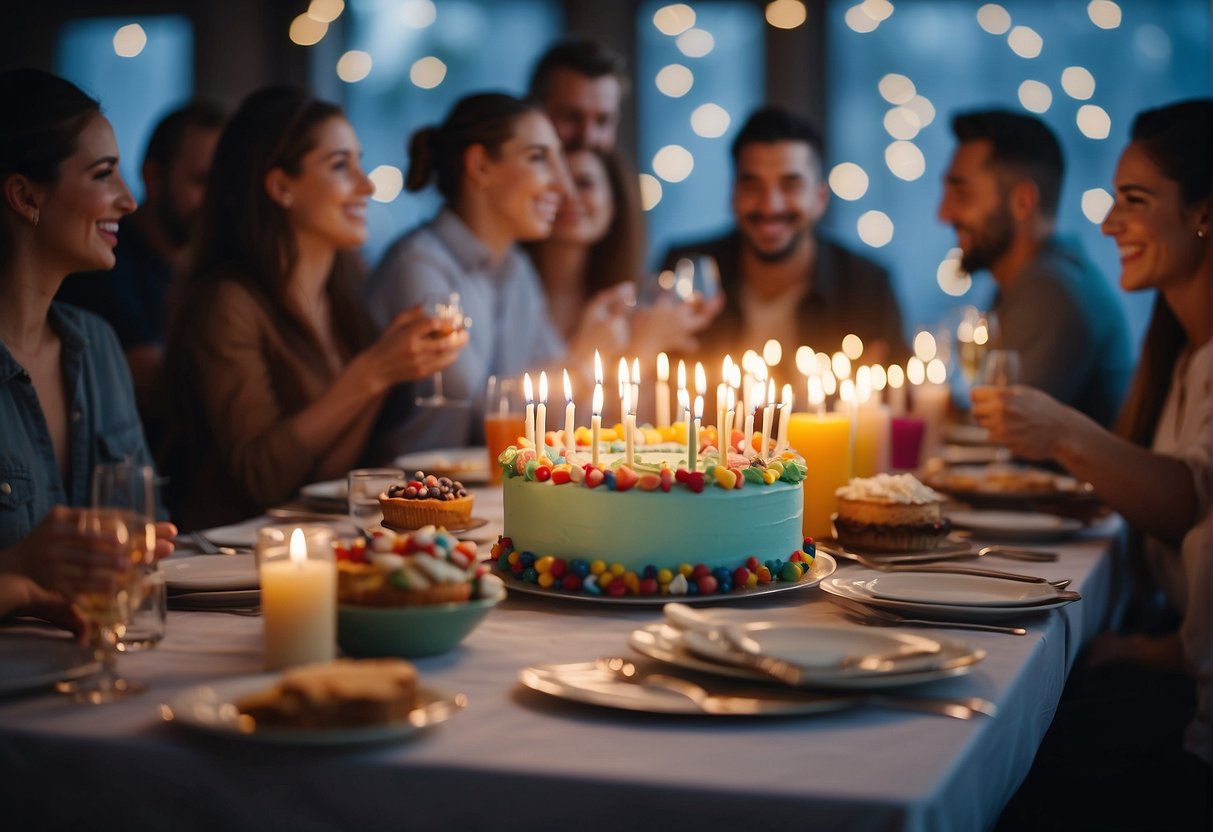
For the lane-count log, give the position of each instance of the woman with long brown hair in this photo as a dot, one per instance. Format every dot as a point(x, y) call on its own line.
point(276, 376)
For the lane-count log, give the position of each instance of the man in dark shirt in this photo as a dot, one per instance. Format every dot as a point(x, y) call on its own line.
point(782, 278)
point(152, 241)
point(581, 84)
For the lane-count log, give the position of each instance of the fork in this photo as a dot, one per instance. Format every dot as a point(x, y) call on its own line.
point(883, 618)
point(725, 704)
point(880, 566)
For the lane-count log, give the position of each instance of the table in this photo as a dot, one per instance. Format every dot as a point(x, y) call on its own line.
point(515, 759)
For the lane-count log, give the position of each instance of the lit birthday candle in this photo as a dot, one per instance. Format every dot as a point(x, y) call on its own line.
point(635, 399)
point(625, 407)
point(570, 444)
point(693, 444)
point(529, 390)
point(596, 424)
point(541, 416)
point(663, 390)
point(768, 415)
point(727, 439)
point(785, 415)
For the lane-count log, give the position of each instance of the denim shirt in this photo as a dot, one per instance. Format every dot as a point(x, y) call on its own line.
point(103, 425)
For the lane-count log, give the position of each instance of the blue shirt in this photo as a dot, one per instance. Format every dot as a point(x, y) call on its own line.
point(511, 331)
point(103, 425)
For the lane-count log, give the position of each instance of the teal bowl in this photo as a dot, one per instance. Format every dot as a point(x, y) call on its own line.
point(409, 632)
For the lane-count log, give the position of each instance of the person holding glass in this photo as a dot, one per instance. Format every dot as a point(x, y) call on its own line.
point(496, 161)
point(274, 371)
point(66, 400)
point(595, 254)
point(1000, 195)
point(1155, 468)
point(782, 276)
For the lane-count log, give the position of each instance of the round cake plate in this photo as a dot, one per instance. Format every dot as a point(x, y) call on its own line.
point(822, 568)
point(472, 524)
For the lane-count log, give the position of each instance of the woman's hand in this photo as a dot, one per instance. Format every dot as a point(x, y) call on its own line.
point(21, 596)
point(78, 550)
point(410, 348)
point(165, 532)
point(1026, 421)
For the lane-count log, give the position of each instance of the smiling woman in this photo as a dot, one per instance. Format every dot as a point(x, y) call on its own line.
point(274, 373)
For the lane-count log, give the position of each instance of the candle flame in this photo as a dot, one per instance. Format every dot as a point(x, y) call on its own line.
point(805, 358)
point(735, 377)
point(841, 365)
point(772, 352)
point(879, 377)
point(916, 371)
point(771, 391)
point(543, 387)
point(699, 407)
point(568, 387)
point(663, 367)
point(597, 399)
point(852, 346)
point(597, 367)
point(937, 371)
point(816, 392)
point(298, 548)
point(829, 383)
point(787, 399)
point(846, 391)
point(726, 368)
point(924, 346)
point(683, 402)
point(897, 376)
point(701, 379)
point(528, 388)
point(682, 374)
point(635, 371)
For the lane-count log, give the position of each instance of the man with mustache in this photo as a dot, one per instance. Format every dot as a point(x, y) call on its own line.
point(782, 278)
point(152, 242)
point(1000, 194)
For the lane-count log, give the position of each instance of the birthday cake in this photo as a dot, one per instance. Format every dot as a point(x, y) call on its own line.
point(653, 527)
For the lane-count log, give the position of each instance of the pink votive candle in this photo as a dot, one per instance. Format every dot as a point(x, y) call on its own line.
point(907, 442)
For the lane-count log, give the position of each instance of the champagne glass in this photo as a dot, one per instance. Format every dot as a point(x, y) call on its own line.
point(976, 335)
point(696, 278)
point(1002, 368)
point(364, 487)
point(448, 310)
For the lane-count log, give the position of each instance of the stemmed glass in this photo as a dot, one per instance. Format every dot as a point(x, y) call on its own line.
point(119, 530)
point(1002, 368)
point(696, 278)
point(448, 310)
point(976, 335)
point(364, 485)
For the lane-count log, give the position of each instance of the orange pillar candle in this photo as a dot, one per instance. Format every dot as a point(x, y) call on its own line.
point(824, 440)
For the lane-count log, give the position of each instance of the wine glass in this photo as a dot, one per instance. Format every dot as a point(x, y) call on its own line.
point(696, 278)
point(1001, 369)
point(119, 528)
point(364, 487)
point(976, 334)
point(448, 310)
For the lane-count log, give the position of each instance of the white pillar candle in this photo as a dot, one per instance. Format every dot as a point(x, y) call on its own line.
point(570, 444)
point(747, 450)
point(663, 390)
point(693, 444)
point(629, 428)
point(299, 603)
point(727, 440)
point(768, 416)
point(530, 409)
point(785, 414)
point(720, 410)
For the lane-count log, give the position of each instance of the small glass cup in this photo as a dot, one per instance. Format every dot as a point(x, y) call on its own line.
point(504, 414)
point(146, 626)
point(297, 571)
point(363, 487)
point(1001, 369)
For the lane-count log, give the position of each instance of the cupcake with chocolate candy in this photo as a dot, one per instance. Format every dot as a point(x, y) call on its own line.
point(889, 513)
point(426, 500)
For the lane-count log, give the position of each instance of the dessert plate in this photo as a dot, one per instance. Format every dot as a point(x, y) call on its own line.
point(823, 566)
point(468, 465)
point(667, 644)
point(1015, 525)
point(585, 682)
point(33, 660)
point(850, 587)
point(963, 590)
point(211, 709)
point(238, 535)
point(206, 573)
point(328, 491)
point(946, 550)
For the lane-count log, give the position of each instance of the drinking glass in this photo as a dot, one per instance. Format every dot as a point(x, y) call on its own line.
point(976, 335)
point(696, 278)
point(448, 309)
point(1002, 368)
point(364, 485)
point(503, 420)
point(120, 525)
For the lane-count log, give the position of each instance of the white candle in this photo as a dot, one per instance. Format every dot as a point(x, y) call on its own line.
point(682, 375)
point(596, 424)
point(785, 414)
point(530, 409)
point(570, 444)
point(541, 416)
point(635, 399)
point(663, 390)
point(693, 444)
point(768, 416)
point(727, 439)
point(735, 383)
point(720, 408)
point(299, 603)
point(629, 428)
point(747, 450)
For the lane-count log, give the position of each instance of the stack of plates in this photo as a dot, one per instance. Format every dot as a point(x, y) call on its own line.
point(203, 582)
point(946, 597)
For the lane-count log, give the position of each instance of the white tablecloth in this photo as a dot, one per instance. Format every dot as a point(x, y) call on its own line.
point(515, 759)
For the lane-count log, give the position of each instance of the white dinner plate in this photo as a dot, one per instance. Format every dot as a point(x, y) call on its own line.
point(468, 465)
point(850, 588)
point(34, 660)
point(973, 454)
point(212, 709)
point(1015, 525)
point(238, 535)
point(964, 590)
point(966, 434)
point(585, 682)
point(331, 490)
point(203, 573)
point(665, 643)
point(823, 566)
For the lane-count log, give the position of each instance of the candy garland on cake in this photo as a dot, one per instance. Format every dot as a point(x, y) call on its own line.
point(598, 577)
